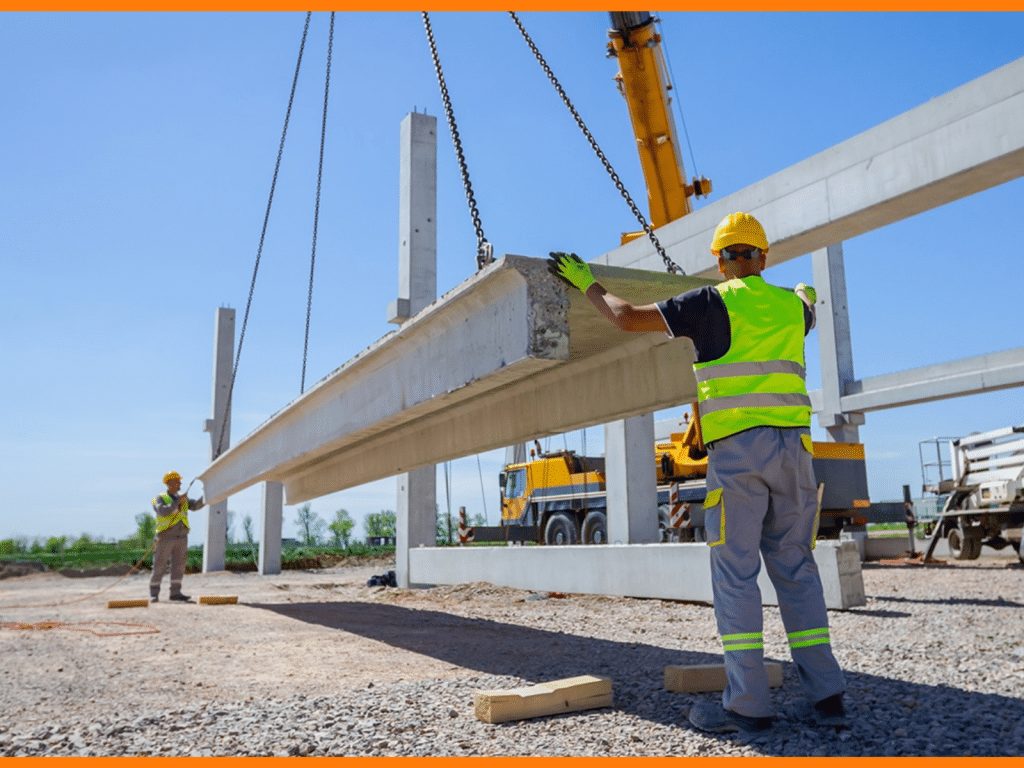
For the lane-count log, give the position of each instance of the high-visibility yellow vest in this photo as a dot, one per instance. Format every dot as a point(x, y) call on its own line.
point(760, 380)
point(163, 522)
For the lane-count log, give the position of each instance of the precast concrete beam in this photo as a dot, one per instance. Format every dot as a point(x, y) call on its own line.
point(969, 376)
point(509, 355)
point(955, 145)
point(674, 571)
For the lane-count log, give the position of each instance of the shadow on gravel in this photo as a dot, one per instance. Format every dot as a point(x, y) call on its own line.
point(998, 602)
point(889, 717)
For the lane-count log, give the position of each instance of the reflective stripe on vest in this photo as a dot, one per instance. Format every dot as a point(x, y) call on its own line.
point(760, 379)
point(163, 522)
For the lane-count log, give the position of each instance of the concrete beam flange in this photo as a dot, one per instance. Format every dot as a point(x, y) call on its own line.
point(509, 355)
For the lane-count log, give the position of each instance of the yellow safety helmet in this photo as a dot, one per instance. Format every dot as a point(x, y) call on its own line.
point(739, 228)
point(171, 476)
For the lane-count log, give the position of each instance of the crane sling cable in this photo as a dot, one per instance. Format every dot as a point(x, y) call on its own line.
point(679, 109)
point(485, 251)
point(670, 265)
point(316, 212)
point(259, 250)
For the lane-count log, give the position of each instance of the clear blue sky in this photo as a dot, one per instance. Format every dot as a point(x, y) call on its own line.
point(137, 152)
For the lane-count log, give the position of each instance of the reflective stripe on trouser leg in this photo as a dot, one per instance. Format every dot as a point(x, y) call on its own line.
point(788, 532)
point(735, 564)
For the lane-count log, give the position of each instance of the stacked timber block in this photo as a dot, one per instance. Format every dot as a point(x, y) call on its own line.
point(697, 678)
point(554, 698)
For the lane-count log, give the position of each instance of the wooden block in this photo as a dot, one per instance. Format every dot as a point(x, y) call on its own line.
point(218, 600)
point(694, 678)
point(127, 603)
point(553, 698)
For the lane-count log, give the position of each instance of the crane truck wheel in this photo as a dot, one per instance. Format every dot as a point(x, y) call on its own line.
point(595, 528)
point(561, 529)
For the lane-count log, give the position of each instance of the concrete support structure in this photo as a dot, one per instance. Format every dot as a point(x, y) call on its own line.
point(416, 507)
point(833, 318)
point(535, 360)
point(415, 518)
point(665, 571)
point(950, 147)
point(632, 483)
point(272, 507)
point(219, 427)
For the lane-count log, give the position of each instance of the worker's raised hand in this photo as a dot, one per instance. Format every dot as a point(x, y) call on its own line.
point(808, 291)
point(572, 269)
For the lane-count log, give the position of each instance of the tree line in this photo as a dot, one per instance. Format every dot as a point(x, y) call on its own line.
point(313, 531)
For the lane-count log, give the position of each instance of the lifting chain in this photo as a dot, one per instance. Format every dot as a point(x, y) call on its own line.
point(670, 265)
point(485, 252)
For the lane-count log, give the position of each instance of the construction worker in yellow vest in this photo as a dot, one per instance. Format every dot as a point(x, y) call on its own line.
point(171, 537)
point(748, 337)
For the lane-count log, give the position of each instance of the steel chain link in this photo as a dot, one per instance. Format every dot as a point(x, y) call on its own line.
point(484, 251)
point(670, 265)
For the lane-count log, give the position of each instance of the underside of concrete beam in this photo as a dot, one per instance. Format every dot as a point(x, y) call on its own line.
point(955, 145)
point(510, 355)
point(666, 571)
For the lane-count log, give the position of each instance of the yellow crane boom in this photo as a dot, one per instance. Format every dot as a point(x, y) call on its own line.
point(643, 81)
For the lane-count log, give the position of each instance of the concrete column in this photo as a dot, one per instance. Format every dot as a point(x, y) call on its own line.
point(219, 427)
point(270, 541)
point(836, 348)
point(417, 218)
point(415, 517)
point(632, 481)
point(416, 508)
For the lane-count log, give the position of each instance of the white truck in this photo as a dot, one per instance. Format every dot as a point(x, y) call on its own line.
point(985, 497)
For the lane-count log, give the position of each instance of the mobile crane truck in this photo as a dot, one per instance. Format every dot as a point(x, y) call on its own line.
point(560, 497)
point(985, 501)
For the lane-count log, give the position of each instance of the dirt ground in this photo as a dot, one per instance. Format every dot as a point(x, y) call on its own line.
point(281, 638)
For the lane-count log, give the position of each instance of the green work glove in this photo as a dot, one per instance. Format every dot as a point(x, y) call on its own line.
point(572, 269)
point(812, 295)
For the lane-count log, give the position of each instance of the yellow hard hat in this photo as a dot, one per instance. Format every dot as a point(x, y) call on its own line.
point(739, 228)
point(171, 476)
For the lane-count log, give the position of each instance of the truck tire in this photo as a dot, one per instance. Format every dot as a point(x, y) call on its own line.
point(595, 528)
point(962, 546)
point(664, 523)
point(561, 529)
point(955, 542)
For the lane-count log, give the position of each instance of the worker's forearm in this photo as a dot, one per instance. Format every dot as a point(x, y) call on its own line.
point(624, 315)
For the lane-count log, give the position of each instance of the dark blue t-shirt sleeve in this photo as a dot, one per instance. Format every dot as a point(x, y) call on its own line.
point(700, 315)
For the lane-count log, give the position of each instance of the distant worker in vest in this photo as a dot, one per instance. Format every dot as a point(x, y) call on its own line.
point(761, 493)
point(171, 537)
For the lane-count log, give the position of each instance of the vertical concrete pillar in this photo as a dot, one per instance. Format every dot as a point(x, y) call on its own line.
point(219, 427)
point(632, 481)
point(416, 508)
point(270, 541)
point(834, 344)
point(415, 517)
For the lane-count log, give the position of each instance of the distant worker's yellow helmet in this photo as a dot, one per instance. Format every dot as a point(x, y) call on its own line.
point(739, 228)
point(171, 476)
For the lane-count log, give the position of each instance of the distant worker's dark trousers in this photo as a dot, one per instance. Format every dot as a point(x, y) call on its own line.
point(171, 546)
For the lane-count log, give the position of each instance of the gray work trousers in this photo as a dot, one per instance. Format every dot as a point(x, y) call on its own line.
point(767, 507)
point(171, 546)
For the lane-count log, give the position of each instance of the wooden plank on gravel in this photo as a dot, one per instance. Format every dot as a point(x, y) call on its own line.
point(552, 698)
point(695, 678)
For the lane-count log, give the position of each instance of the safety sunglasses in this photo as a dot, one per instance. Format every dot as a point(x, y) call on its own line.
point(753, 253)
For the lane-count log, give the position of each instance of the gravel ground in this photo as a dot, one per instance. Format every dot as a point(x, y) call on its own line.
point(317, 663)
